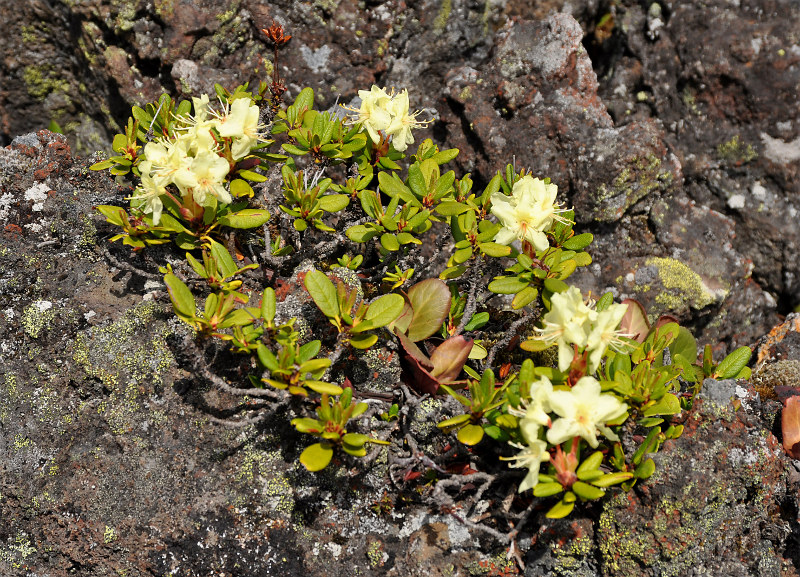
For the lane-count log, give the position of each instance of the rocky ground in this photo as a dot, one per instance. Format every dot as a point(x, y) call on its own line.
point(672, 127)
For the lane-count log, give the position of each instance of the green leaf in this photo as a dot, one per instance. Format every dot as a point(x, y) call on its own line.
point(305, 99)
point(451, 208)
point(524, 297)
point(590, 464)
point(322, 387)
point(224, 260)
point(477, 321)
point(547, 489)
point(385, 309)
point(393, 186)
point(306, 425)
point(363, 341)
point(268, 304)
point(733, 363)
point(240, 187)
point(494, 249)
point(560, 509)
point(578, 242)
point(667, 405)
point(555, 285)
point(430, 301)
point(103, 164)
point(645, 469)
point(317, 456)
point(685, 345)
point(322, 290)
point(355, 439)
point(454, 422)
point(390, 242)
point(507, 285)
point(612, 479)
point(470, 434)
point(462, 255)
point(252, 176)
point(113, 214)
point(182, 298)
point(247, 218)
point(586, 491)
point(334, 202)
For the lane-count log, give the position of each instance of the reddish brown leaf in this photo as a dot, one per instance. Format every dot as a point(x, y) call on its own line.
point(635, 322)
point(790, 425)
point(448, 359)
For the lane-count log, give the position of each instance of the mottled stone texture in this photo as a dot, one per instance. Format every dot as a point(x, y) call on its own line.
point(671, 127)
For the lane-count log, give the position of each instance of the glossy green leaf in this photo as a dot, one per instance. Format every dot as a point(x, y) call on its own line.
point(494, 249)
point(507, 285)
point(246, 218)
point(733, 363)
point(363, 341)
point(578, 242)
point(240, 187)
point(470, 434)
point(317, 456)
point(334, 202)
point(390, 242)
point(385, 309)
point(454, 422)
point(560, 509)
point(524, 297)
point(547, 489)
point(180, 295)
point(322, 387)
point(612, 479)
point(667, 405)
point(322, 290)
point(268, 304)
point(645, 469)
point(586, 491)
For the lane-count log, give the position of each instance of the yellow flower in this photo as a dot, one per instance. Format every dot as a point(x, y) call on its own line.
point(147, 196)
point(531, 456)
point(241, 125)
point(567, 323)
point(402, 122)
point(205, 179)
point(527, 213)
point(584, 412)
point(374, 114)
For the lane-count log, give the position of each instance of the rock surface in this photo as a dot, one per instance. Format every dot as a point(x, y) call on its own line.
point(671, 127)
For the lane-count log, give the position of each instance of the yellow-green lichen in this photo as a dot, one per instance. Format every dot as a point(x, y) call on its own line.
point(129, 357)
point(37, 318)
point(682, 286)
point(443, 16)
point(642, 176)
point(375, 554)
point(17, 553)
point(736, 152)
point(42, 80)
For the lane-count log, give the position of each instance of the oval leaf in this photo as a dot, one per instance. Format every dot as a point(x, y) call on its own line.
point(430, 302)
point(470, 434)
point(317, 456)
point(321, 289)
point(180, 295)
point(247, 218)
point(733, 363)
point(385, 309)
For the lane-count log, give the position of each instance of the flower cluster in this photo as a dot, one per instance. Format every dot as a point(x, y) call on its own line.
point(528, 213)
point(198, 159)
point(582, 411)
point(576, 327)
point(388, 113)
